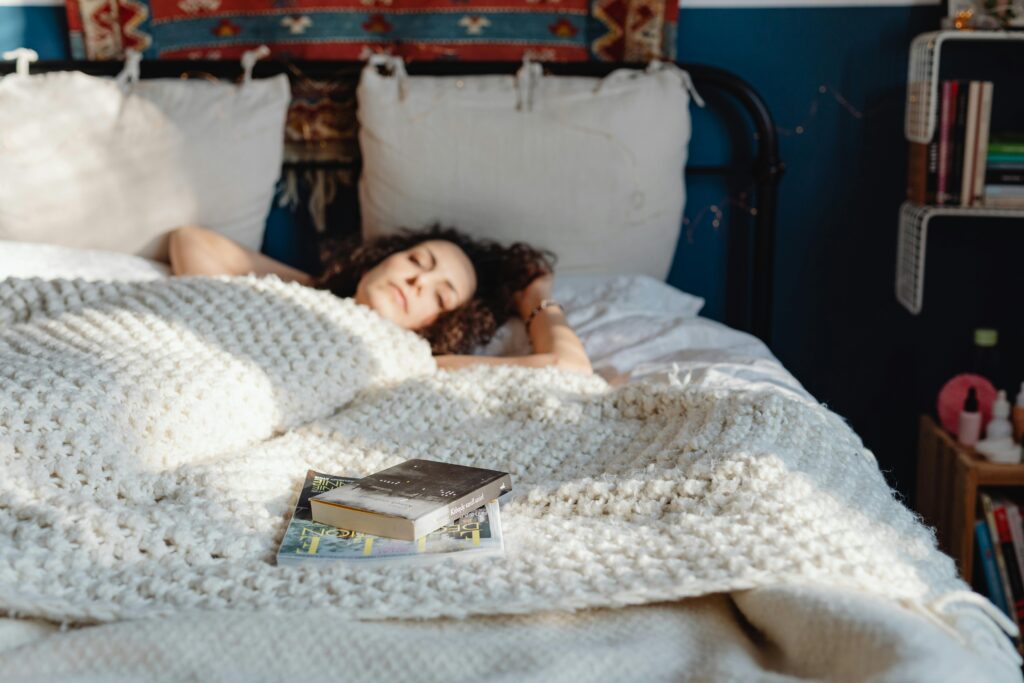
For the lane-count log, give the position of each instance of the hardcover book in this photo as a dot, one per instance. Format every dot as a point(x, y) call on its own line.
point(1005, 542)
point(476, 534)
point(989, 508)
point(988, 564)
point(946, 119)
point(409, 500)
point(981, 144)
point(958, 142)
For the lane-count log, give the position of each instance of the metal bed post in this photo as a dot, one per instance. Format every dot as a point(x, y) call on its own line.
point(767, 171)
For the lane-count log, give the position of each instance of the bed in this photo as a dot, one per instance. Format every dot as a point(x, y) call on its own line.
point(704, 519)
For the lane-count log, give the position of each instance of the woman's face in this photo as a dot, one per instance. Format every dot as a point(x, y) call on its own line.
point(413, 287)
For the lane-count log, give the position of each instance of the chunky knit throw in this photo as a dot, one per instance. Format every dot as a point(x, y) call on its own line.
point(153, 437)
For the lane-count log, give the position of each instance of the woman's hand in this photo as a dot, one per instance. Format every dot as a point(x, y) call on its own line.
point(553, 341)
point(530, 297)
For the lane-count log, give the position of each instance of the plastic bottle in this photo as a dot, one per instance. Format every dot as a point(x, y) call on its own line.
point(999, 426)
point(970, 420)
point(1018, 416)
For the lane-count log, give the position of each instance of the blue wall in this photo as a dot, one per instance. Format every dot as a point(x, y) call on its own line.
point(835, 314)
point(44, 29)
point(837, 325)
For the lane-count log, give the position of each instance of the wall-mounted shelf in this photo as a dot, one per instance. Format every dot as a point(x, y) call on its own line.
point(923, 77)
point(913, 238)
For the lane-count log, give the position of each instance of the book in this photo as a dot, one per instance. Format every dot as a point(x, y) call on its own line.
point(1005, 542)
point(1004, 176)
point(981, 146)
point(958, 142)
point(1015, 191)
point(993, 532)
point(1004, 196)
point(1013, 518)
point(993, 584)
point(970, 139)
point(946, 116)
point(1006, 159)
point(475, 535)
point(1015, 203)
point(409, 500)
point(1006, 146)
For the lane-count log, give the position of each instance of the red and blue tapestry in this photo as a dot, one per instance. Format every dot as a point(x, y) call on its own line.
point(475, 30)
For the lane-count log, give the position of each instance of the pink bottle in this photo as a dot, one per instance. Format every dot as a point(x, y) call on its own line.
point(970, 420)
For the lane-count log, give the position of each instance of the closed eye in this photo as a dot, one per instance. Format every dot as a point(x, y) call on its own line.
point(440, 301)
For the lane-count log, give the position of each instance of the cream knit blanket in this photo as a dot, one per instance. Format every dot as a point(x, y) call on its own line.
point(153, 437)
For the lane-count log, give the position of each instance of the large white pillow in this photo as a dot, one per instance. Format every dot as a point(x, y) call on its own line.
point(589, 168)
point(87, 162)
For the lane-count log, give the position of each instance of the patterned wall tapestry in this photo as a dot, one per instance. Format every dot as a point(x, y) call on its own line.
point(546, 30)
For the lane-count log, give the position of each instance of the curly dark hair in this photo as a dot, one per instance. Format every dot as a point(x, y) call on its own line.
point(501, 271)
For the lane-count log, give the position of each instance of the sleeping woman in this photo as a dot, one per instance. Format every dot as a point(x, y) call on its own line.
point(453, 290)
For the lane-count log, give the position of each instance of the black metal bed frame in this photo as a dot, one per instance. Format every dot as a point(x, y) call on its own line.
point(755, 271)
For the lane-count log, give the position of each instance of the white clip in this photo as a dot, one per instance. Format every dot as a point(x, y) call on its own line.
point(691, 88)
point(249, 59)
point(526, 81)
point(657, 65)
point(130, 73)
point(23, 56)
point(396, 65)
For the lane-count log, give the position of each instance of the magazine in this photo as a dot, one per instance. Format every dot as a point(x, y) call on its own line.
point(475, 535)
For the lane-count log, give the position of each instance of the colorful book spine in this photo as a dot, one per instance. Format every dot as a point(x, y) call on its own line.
point(997, 147)
point(981, 147)
point(1016, 594)
point(993, 530)
point(1013, 517)
point(970, 141)
point(997, 191)
point(947, 111)
point(1007, 159)
point(1004, 176)
point(988, 565)
point(959, 137)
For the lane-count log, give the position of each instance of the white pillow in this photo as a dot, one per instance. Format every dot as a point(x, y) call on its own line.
point(85, 163)
point(589, 168)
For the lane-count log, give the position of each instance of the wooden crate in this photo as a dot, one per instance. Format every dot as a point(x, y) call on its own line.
point(948, 478)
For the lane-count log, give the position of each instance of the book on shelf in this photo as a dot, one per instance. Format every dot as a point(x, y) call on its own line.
point(409, 500)
point(950, 169)
point(983, 133)
point(1007, 144)
point(306, 542)
point(957, 141)
point(986, 552)
point(1004, 174)
point(948, 111)
point(1013, 519)
point(988, 507)
point(1005, 542)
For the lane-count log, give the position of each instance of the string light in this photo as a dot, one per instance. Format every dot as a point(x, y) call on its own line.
point(715, 210)
point(826, 91)
point(740, 201)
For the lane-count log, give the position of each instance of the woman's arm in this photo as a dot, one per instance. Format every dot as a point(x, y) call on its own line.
point(196, 251)
point(553, 341)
